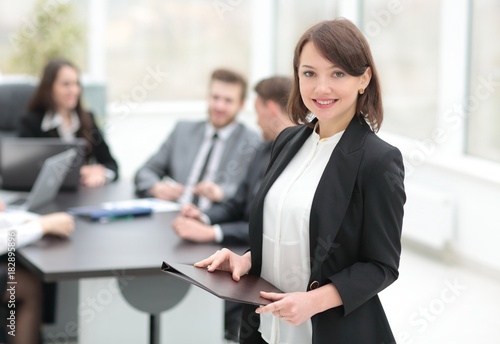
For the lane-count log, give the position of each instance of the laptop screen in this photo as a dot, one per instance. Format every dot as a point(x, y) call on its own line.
point(50, 178)
point(21, 160)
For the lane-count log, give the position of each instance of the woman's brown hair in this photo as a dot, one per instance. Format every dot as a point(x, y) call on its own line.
point(43, 100)
point(343, 44)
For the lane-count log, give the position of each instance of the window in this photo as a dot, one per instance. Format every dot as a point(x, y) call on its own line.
point(11, 15)
point(407, 62)
point(166, 50)
point(483, 103)
point(19, 22)
point(292, 20)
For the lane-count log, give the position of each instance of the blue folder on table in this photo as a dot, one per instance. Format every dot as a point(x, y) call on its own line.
point(104, 214)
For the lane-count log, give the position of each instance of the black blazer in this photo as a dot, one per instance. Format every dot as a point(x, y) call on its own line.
point(233, 215)
point(355, 231)
point(30, 126)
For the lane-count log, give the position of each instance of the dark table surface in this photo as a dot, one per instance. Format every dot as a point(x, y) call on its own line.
point(135, 246)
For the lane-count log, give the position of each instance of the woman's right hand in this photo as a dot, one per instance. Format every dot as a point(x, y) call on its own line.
point(227, 260)
point(60, 224)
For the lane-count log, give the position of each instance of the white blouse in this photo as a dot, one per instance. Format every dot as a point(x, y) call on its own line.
point(26, 229)
point(56, 121)
point(285, 242)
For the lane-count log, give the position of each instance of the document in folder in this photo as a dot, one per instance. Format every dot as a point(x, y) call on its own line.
point(221, 284)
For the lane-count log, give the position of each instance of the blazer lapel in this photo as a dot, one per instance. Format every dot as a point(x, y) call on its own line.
point(288, 152)
point(334, 191)
point(190, 138)
point(230, 145)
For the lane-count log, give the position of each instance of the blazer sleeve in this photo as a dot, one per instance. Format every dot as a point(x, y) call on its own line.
point(233, 215)
point(230, 210)
point(377, 264)
point(155, 168)
point(242, 146)
point(101, 151)
point(230, 215)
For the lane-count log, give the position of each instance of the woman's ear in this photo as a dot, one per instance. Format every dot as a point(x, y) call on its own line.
point(366, 77)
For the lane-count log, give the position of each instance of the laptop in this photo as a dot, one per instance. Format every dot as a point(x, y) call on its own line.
point(21, 160)
point(47, 183)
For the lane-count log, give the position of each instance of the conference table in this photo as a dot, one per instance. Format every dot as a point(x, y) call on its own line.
point(124, 247)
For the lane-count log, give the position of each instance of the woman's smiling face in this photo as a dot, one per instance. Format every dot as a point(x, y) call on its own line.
point(328, 91)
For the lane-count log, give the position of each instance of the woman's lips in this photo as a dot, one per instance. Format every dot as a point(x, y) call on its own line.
point(324, 103)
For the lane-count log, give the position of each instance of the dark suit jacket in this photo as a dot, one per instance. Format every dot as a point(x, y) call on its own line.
point(233, 214)
point(355, 230)
point(30, 126)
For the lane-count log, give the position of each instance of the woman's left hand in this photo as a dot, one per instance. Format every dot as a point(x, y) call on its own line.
point(294, 308)
point(93, 175)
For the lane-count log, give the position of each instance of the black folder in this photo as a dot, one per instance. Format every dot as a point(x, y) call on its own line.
point(221, 284)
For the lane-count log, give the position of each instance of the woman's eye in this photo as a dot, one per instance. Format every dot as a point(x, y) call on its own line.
point(308, 74)
point(338, 74)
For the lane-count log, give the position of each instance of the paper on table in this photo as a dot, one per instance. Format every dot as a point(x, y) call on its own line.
point(222, 285)
point(156, 205)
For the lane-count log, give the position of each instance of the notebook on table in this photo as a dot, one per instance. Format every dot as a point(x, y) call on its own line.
point(21, 161)
point(47, 183)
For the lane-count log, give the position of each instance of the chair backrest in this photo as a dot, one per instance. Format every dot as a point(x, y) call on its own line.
point(16, 94)
point(14, 98)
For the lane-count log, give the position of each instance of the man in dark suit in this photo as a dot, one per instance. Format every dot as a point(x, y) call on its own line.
point(203, 162)
point(227, 222)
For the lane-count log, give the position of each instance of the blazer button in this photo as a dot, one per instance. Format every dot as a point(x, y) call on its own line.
point(314, 285)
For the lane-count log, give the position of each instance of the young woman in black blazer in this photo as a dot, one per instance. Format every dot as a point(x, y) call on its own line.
point(56, 111)
point(325, 226)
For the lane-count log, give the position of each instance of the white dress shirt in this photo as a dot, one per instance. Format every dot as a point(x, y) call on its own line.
point(285, 242)
point(223, 135)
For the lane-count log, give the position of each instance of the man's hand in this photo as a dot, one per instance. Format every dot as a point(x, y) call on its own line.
point(193, 230)
point(191, 211)
point(168, 191)
point(209, 190)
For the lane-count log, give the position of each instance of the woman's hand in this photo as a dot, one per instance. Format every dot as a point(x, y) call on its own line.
point(227, 260)
point(295, 308)
point(93, 175)
point(60, 224)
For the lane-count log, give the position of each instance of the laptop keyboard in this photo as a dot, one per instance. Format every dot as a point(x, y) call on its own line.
point(18, 201)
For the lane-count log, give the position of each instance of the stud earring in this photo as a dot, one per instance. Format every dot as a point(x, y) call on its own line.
point(361, 90)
